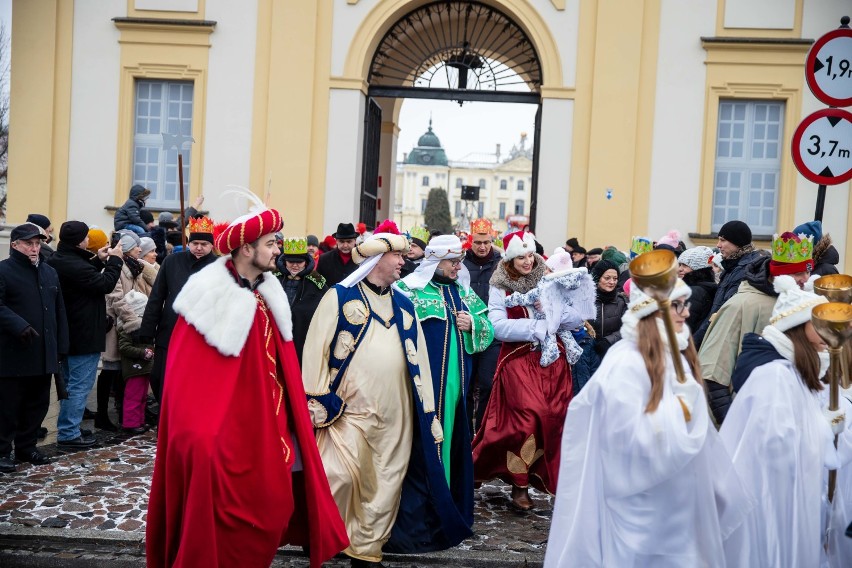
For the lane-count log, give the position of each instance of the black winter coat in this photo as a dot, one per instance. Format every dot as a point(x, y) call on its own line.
point(703, 286)
point(309, 292)
point(331, 267)
point(128, 214)
point(85, 280)
point(159, 319)
point(480, 275)
point(735, 271)
point(30, 296)
point(826, 262)
point(607, 322)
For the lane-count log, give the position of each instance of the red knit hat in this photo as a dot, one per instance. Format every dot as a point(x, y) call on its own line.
point(247, 229)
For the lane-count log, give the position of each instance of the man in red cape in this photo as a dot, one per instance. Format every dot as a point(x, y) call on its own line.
point(237, 472)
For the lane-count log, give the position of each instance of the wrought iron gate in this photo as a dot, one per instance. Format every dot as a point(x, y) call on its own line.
point(370, 172)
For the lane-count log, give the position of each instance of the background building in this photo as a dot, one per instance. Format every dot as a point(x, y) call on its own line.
point(504, 183)
point(652, 114)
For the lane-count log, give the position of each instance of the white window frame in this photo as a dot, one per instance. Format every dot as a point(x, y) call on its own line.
point(153, 167)
point(748, 160)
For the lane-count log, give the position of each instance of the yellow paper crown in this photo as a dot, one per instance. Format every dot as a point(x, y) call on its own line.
point(481, 226)
point(419, 233)
point(295, 246)
point(201, 225)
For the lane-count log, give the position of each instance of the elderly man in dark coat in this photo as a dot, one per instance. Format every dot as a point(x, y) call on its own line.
point(336, 264)
point(85, 279)
point(33, 336)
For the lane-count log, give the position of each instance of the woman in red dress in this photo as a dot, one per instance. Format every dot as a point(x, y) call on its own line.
point(520, 437)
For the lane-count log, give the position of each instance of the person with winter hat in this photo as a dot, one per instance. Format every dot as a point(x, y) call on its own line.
point(127, 216)
point(43, 222)
point(234, 428)
point(136, 360)
point(85, 279)
point(528, 402)
point(780, 433)
point(384, 423)
point(695, 267)
point(737, 252)
point(148, 259)
point(610, 306)
point(97, 240)
point(639, 455)
point(749, 311)
point(826, 256)
point(670, 241)
point(303, 285)
point(593, 256)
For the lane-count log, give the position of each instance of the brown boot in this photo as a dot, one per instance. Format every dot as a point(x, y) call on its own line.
point(521, 499)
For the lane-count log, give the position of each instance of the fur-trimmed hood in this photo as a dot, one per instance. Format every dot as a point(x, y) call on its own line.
point(223, 312)
point(524, 284)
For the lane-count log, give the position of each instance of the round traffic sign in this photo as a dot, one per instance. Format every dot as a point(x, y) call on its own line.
point(828, 68)
point(822, 146)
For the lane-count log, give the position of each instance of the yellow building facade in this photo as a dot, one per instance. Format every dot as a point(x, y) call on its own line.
point(643, 108)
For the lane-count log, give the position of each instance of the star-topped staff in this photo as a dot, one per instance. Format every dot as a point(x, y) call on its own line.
point(177, 141)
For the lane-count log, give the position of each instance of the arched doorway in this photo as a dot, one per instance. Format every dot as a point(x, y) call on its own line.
point(447, 50)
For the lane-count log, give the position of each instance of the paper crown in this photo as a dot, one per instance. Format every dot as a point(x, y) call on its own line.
point(640, 245)
point(419, 233)
point(792, 248)
point(295, 246)
point(481, 226)
point(791, 254)
point(498, 242)
point(201, 225)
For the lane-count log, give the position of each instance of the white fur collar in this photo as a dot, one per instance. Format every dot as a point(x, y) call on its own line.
point(223, 312)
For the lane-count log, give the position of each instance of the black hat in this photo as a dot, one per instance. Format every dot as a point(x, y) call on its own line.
point(573, 243)
point(579, 249)
point(736, 232)
point(345, 231)
point(595, 251)
point(73, 232)
point(167, 220)
point(39, 219)
point(146, 216)
point(313, 240)
point(26, 231)
point(602, 266)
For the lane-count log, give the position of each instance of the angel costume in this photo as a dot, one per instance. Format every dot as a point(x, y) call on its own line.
point(641, 488)
point(782, 448)
point(369, 387)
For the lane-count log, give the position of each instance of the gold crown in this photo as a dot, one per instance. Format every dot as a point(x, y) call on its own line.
point(295, 246)
point(481, 226)
point(201, 225)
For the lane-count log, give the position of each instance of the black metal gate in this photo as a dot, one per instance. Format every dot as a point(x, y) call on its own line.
point(534, 185)
point(370, 172)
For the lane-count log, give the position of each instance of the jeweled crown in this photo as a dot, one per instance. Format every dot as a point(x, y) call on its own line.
point(419, 233)
point(791, 248)
point(640, 245)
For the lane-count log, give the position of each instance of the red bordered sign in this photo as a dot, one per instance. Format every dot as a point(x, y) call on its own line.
point(828, 68)
point(822, 146)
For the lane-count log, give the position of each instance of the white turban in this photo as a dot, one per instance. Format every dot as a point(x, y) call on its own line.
point(442, 247)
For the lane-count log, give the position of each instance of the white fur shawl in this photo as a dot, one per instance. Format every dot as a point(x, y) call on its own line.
point(223, 312)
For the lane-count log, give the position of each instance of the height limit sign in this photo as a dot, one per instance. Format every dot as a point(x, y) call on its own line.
point(822, 147)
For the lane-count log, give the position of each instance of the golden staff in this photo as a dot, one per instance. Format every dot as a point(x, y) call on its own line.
point(833, 323)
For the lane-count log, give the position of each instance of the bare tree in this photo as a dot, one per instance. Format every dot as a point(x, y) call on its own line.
point(5, 64)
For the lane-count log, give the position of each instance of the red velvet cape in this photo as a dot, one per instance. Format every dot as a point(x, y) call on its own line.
point(222, 492)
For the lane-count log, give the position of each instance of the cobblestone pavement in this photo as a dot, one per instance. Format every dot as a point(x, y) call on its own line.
point(102, 493)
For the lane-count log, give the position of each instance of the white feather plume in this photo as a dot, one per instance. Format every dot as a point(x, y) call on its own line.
point(254, 204)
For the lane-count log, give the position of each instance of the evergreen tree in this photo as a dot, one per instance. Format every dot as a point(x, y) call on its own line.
point(437, 215)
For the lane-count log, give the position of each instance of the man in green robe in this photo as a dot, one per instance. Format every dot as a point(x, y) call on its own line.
point(455, 325)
